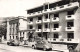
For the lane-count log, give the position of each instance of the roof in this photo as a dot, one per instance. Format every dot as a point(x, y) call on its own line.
point(42, 5)
point(14, 18)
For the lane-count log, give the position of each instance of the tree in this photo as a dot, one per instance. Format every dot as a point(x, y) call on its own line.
point(3, 30)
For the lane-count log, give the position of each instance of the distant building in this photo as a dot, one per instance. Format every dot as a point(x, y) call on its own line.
point(57, 22)
point(16, 27)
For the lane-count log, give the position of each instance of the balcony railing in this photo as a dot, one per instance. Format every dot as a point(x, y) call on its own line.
point(46, 30)
point(56, 29)
point(69, 28)
point(38, 21)
point(70, 17)
point(63, 40)
point(64, 7)
point(35, 14)
point(38, 30)
point(55, 19)
point(46, 20)
point(58, 8)
point(30, 23)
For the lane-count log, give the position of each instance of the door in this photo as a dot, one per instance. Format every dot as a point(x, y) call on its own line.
point(45, 35)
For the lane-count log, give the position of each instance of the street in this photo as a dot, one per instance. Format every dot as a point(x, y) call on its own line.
point(7, 48)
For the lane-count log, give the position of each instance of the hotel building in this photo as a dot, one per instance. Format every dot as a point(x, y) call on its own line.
point(57, 22)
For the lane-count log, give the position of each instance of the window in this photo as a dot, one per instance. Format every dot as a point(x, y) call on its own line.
point(20, 33)
point(70, 35)
point(46, 25)
point(31, 19)
point(23, 32)
point(56, 25)
point(70, 24)
point(16, 37)
point(39, 26)
point(46, 16)
point(39, 34)
point(56, 15)
point(55, 35)
point(45, 7)
point(10, 37)
point(31, 27)
point(40, 18)
point(13, 37)
point(70, 12)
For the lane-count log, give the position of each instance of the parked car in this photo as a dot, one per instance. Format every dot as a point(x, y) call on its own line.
point(44, 44)
point(13, 42)
point(30, 43)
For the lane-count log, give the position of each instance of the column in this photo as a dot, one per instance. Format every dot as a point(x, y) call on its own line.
point(19, 35)
point(15, 34)
point(8, 29)
point(12, 30)
point(25, 36)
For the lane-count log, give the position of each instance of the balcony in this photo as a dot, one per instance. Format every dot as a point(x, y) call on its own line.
point(70, 17)
point(55, 20)
point(56, 29)
point(46, 20)
point(63, 40)
point(45, 11)
point(38, 30)
point(69, 28)
point(35, 13)
point(30, 23)
point(55, 9)
point(64, 7)
point(38, 21)
point(46, 30)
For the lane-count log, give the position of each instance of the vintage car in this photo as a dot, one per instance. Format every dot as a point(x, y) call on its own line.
point(44, 44)
point(29, 43)
point(13, 42)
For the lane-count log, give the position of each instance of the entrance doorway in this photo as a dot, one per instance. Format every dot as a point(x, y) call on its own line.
point(45, 35)
point(21, 39)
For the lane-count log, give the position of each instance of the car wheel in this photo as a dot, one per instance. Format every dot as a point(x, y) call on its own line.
point(33, 47)
point(18, 45)
point(10, 44)
point(7, 43)
point(44, 48)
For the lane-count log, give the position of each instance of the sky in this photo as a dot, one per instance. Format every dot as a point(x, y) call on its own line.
point(9, 8)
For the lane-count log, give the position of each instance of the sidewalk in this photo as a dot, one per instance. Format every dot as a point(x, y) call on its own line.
point(3, 42)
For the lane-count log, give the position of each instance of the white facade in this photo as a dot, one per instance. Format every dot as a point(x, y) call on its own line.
point(58, 24)
point(15, 27)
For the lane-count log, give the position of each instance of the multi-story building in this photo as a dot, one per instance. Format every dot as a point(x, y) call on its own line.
point(57, 22)
point(16, 28)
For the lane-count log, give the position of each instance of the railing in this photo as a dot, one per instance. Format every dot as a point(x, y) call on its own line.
point(64, 40)
point(70, 17)
point(46, 20)
point(38, 21)
point(58, 8)
point(55, 19)
point(66, 6)
point(30, 22)
point(56, 29)
point(69, 28)
point(38, 30)
point(46, 30)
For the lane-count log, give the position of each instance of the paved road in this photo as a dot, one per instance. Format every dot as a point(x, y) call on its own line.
point(6, 48)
